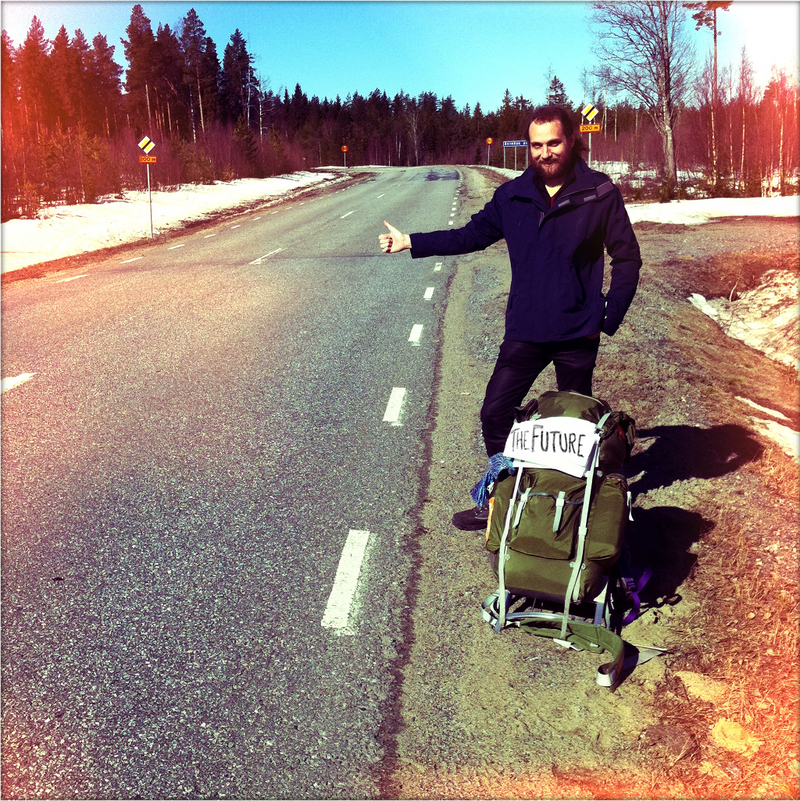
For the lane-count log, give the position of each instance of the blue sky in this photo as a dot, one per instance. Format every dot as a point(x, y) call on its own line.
point(470, 50)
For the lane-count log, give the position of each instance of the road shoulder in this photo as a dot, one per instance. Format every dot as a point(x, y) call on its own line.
point(510, 715)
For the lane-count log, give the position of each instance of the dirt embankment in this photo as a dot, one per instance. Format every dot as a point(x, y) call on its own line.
point(515, 716)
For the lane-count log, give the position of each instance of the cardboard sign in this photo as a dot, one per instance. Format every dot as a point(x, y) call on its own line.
point(554, 443)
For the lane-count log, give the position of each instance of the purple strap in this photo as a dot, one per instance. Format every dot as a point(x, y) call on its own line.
point(634, 588)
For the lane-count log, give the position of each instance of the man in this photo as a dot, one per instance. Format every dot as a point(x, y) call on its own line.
point(556, 218)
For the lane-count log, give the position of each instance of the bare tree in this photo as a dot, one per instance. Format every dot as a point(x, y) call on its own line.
point(643, 52)
point(706, 16)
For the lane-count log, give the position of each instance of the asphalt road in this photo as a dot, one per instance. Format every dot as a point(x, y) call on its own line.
point(208, 420)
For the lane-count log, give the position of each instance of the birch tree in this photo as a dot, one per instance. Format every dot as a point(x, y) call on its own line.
point(644, 53)
point(706, 16)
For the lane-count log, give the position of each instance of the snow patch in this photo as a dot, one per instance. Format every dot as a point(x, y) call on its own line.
point(764, 409)
point(765, 318)
point(783, 436)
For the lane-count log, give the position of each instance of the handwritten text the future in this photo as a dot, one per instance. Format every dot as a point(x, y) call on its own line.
point(541, 439)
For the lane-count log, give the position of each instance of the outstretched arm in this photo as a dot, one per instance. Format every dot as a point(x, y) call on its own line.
point(394, 241)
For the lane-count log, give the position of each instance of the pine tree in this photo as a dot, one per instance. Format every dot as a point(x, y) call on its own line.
point(80, 92)
point(105, 86)
point(193, 44)
point(244, 143)
point(140, 77)
point(36, 88)
point(62, 74)
point(171, 94)
point(237, 77)
point(9, 86)
point(557, 94)
point(210, 78)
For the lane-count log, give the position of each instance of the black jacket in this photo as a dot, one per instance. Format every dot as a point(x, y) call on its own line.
point(556, 252)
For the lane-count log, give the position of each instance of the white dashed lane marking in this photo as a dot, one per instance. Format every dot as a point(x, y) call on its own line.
point(429, 293)
point(395, 406)
point(416, 333)
point(340, 603)
point(266, 256)
point(10, 383)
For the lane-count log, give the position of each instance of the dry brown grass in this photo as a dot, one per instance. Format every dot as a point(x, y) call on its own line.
point(743, 628)
point(748, 624)
point(728, 275)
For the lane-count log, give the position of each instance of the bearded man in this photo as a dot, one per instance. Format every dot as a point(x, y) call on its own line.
point(557, 218)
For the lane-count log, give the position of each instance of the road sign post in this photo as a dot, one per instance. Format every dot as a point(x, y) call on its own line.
point(488, 150)
point(589, 112)
point(515, 143)
point(344, 153)
point(147, 145)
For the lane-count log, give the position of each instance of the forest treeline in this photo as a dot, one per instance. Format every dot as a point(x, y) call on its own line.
point(71, 121)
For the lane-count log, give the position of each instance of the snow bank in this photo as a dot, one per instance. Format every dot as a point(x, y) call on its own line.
point(765, 318)
point(697, 212)
point(60, 231)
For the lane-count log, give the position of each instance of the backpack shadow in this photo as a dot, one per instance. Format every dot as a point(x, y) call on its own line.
point(659, 540)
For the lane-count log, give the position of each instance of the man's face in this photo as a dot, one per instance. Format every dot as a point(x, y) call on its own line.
point(551, 151)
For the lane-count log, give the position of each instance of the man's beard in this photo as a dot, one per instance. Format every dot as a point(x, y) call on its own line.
point(554, 169)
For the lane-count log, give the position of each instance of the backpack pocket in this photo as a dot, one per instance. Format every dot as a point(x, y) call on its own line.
point(545, 519)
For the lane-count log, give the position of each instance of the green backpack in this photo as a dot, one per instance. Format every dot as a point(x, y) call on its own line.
point(558, 523)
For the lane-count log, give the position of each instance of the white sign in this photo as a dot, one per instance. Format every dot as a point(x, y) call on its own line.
point(554, 443)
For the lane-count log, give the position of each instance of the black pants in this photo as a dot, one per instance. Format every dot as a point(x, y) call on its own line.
point(517, 367)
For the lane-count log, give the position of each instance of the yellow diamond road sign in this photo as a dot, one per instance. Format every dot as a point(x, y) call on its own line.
point(590, 112)
point(146, 144)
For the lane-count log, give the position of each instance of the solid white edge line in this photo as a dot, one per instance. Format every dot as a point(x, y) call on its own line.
point(428, 293)
point(416, 333)
point(10, 383)
point(393, 408)
point(337, 612)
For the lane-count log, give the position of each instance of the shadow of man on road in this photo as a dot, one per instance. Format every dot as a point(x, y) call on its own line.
point(683, 452)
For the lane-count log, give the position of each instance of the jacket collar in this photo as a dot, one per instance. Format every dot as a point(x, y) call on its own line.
point(581, 178)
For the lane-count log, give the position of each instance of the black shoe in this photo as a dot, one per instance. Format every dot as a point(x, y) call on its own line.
point(473, 519)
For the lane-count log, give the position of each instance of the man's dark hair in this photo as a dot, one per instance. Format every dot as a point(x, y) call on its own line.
point(554, 113)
